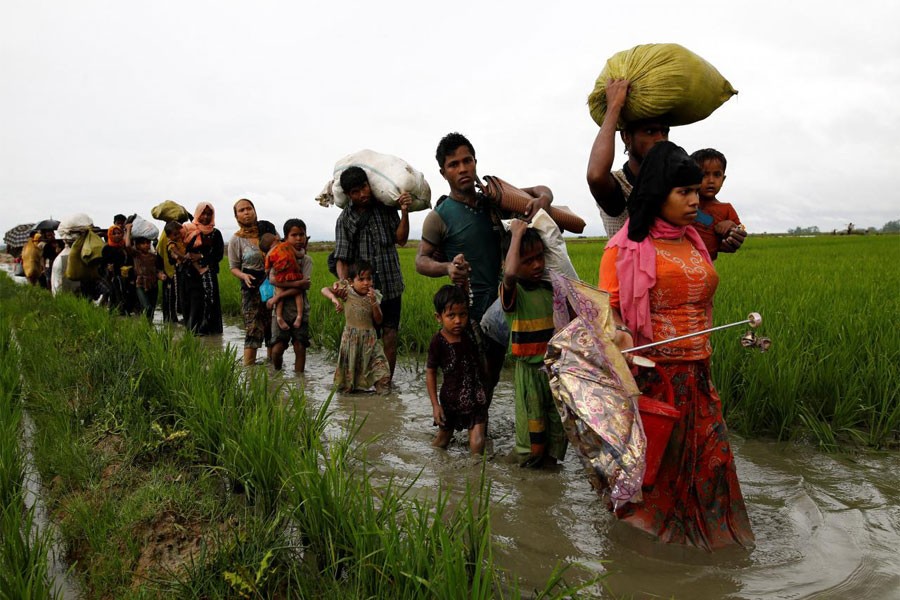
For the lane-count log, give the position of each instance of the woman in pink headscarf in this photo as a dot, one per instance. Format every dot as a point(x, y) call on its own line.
point(199, 281)
point(661, 283)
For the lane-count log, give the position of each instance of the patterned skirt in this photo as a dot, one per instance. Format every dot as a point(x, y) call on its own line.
point(696, 499)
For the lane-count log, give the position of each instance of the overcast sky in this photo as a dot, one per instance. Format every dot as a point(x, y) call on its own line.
point(114, 106)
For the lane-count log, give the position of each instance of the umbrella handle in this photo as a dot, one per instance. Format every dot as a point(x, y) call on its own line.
point(753, 319)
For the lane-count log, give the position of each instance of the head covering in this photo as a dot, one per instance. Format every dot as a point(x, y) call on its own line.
point(205, 229)
point(247, 231)
point(109, 240)
point(665, 167)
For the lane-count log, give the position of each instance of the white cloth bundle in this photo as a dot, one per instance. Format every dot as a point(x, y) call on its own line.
point(389, 176)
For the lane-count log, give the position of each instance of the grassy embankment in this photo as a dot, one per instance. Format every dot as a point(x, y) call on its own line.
point(174, 473)
point(830, 305)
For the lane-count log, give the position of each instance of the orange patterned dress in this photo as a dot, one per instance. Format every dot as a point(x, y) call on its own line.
point(696, 499)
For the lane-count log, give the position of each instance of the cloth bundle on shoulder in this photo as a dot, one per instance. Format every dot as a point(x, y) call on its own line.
point(556, 255)
point(668, 82)
point(389, 176)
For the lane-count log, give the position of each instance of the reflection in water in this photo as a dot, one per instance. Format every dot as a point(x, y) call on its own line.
point(826, 526)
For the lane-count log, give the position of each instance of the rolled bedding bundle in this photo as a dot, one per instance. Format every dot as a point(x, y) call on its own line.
point(511, 198)
point(389, 176)
point(669, 83)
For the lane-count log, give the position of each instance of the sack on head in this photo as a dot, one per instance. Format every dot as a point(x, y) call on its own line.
point(669, 83)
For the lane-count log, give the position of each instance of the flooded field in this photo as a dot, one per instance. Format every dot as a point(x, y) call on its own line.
point(827, 527)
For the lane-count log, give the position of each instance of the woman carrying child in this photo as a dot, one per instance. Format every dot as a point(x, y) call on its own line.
point(201, 303)
point(661, 283)
point(361, 360)
point(462, 403)
point(247, 264)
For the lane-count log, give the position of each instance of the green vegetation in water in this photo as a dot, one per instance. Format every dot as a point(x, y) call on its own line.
point(24, 549)
point(175, 473)
point(830, 305)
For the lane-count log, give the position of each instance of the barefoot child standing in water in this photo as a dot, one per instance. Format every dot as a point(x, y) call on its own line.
point(527, 301)
point(463, 402)
point(361, 360)
point(283, 266)
point(286, 261)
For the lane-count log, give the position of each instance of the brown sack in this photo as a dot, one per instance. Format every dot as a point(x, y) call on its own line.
point(511, 198)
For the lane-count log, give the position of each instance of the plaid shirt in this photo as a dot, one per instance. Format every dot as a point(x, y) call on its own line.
point(376, 243)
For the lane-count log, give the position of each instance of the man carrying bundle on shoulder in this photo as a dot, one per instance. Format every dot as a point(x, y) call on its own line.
point(461, 238)
point(368, 230)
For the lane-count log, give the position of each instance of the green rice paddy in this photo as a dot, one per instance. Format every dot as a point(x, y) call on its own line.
point(173, 472)
point(830, 304)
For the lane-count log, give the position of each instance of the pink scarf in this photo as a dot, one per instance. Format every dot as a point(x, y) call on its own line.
point(636, 271)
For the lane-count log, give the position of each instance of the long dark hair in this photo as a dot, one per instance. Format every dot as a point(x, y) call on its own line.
point(665, 167)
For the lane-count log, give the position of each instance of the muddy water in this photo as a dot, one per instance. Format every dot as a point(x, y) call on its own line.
point(827, 527)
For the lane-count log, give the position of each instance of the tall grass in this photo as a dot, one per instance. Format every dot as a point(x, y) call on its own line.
point(147, 435)
point(24, 549)
point(829, 303)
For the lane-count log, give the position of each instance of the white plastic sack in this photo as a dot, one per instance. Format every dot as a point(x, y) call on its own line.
point(389, 176)
point(142, 228)
point(556, 255)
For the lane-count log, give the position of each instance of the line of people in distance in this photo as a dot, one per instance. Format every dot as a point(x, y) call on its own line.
point(666, 227)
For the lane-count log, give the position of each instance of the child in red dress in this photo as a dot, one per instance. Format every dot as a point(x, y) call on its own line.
point(717, 222)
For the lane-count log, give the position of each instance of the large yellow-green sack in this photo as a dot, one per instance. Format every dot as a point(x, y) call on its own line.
point(84, 259)
point(169, 210)
point(669, 83)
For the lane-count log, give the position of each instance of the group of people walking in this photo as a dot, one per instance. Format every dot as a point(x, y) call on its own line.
point(666, 226)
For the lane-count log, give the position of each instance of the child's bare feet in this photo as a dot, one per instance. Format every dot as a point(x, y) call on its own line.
point(282, 324)
point(297, 322)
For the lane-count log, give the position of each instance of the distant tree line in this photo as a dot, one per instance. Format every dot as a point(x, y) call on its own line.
point(889, 227)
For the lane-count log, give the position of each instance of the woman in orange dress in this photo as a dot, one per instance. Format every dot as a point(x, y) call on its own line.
point(661, 283)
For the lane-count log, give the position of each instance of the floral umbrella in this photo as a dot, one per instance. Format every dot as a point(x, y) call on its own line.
point(595, 393)
point(18, 235)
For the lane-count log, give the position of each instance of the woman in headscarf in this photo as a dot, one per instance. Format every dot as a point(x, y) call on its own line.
point(661, 283)
point(247, 263)
point(202, 306)
point(116, 283)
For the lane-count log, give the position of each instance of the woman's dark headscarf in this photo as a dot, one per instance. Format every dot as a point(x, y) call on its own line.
point(665, 167)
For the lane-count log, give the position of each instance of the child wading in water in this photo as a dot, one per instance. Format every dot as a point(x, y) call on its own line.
point(148, 271)
point(292, 325)
point(283, 265)
point(463, 402)
point(528, 304)
point(361, 361)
